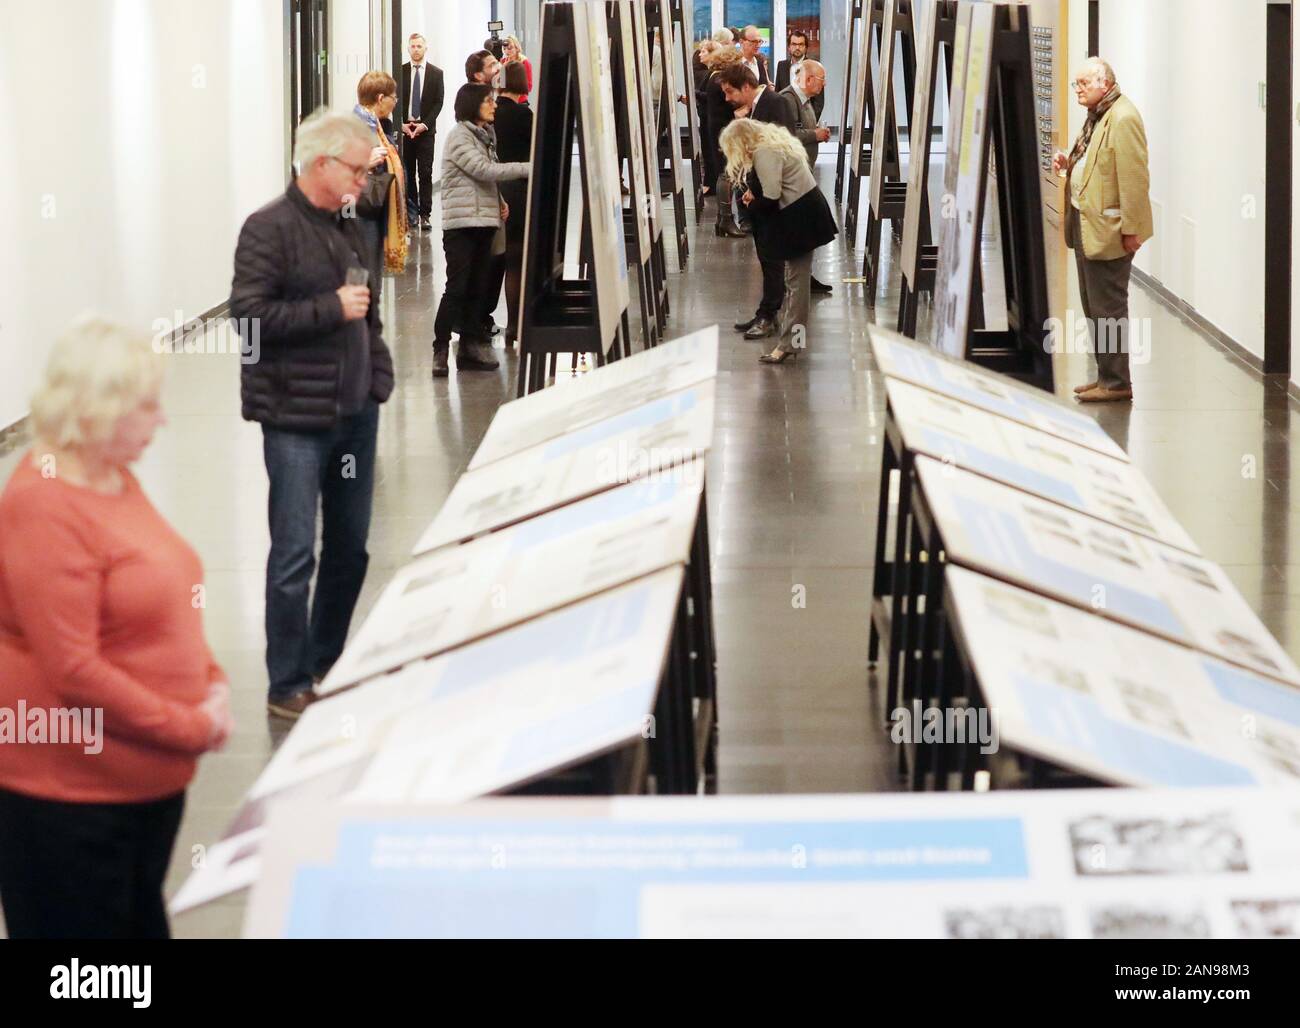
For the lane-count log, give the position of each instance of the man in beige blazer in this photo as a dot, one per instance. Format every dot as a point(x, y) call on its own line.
point(1107, 221)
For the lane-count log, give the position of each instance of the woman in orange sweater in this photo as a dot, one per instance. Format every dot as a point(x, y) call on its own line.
point(109, 692)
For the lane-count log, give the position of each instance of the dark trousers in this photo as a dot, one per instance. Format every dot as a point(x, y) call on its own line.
point(1103, 291)
point(773, 285)
point(372, 232)
point(469, 269)
point(514, 282)
point(492, 283)
point(417, 159)
point(334, 470)
point(85, 870)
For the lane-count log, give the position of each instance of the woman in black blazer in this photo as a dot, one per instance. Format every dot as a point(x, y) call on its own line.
point(514, 129)
point(718, 114)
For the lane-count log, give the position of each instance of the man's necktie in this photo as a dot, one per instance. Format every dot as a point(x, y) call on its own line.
point(414, 114)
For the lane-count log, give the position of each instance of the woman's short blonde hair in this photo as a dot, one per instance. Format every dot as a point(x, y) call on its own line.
point(519, 47)
point(743, 136)
point(723, 57)
point(97, 372)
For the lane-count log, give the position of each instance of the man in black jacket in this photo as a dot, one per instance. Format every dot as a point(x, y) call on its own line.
point(744, 92)
point(418, 110)
point(316, 388)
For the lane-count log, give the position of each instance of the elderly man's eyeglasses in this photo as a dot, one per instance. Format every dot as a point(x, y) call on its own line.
point(359, 171)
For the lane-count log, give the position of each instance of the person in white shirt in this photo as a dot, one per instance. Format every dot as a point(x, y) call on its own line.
point(751, 42)
point(418, 108)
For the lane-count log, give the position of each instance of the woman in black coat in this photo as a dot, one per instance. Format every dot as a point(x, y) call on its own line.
point(514, 129)
point(718, 114)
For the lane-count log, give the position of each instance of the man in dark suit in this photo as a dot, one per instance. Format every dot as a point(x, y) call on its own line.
point(750, 44)
point(419, 107)
point(809, 84)
point(797, 48)
point(763, 103)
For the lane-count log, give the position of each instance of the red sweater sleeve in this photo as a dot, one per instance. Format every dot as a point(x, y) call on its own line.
point(55, 587)
point(528, 67)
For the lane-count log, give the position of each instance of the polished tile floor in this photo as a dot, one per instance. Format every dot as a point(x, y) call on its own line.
point(793, 482)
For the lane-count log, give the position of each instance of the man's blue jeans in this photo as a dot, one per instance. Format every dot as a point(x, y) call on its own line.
point(334, 470)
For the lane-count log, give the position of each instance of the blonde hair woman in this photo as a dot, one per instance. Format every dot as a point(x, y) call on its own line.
point(791, 217)
point(717, 115)
point(98, 620)
point(512, 52)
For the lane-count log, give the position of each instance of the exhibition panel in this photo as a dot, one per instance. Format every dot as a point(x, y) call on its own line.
point(1080, 692)
point(1090, 864)
point(1038, 462)
point(574, 631)
point(1117, 573)
point(899, 357)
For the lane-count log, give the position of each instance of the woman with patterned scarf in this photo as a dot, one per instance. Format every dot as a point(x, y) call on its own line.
point(381, 209)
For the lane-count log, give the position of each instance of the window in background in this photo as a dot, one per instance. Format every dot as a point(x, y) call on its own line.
point(805, 16)
point(739, 13)
point(703, 26)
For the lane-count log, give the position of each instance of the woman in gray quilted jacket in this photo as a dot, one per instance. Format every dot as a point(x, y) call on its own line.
point(472, 215)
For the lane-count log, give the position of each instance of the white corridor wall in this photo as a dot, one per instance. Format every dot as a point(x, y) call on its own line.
point(138, 135)
point(453, 31)
point(1194, 69)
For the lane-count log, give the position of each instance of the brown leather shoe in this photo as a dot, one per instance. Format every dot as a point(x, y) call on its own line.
point(1085, 387)
point(1100, 395)
point(291, 708)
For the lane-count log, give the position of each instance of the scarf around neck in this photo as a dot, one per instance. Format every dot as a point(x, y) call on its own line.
point(1085, 135)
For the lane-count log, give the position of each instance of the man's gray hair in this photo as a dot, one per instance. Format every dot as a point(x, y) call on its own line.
point(326, 133)
point(724, 37)
point(808, 64)
point(1107, 72)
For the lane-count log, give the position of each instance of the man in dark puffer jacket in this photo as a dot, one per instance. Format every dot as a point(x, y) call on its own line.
point(316, 388)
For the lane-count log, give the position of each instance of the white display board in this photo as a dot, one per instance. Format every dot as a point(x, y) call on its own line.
point(600, 162)
point(649, 143)
point(612, 389)
point(1117, 704)
point(860, 113)
point(885, 126)
point(670, 436)
point(1035, 461)
point(641, 205)
point(687, 83)
point(668, 66)
point(1088, 863)
point(488, 717)
point(1116, 574)
point(959, 238)
point(453, 595)
point(918, 132)
point(900, 357)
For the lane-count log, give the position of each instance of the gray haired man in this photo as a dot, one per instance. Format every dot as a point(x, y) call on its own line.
point(806, 84)
point(316, 391)
point(1109, 218)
